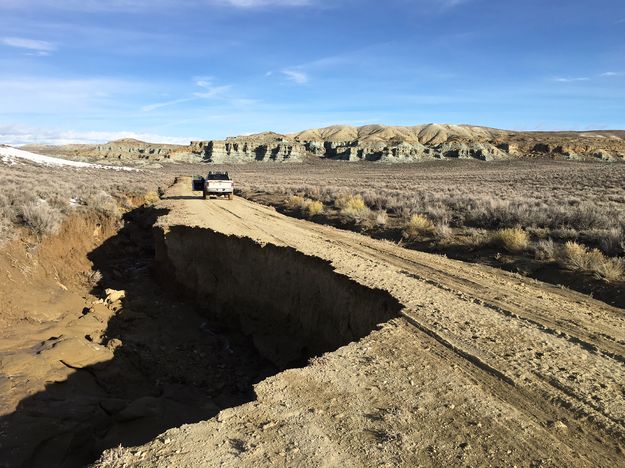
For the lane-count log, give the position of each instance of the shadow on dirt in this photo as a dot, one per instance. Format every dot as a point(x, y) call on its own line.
point(183, 197)
point(171, 365)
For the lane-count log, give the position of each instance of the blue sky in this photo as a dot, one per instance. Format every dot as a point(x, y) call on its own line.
point(175, 70)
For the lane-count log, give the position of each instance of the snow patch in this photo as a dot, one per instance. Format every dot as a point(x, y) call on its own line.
point(10, 155)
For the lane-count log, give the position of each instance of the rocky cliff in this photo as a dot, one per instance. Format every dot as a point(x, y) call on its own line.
point(261, 147)
point(409, 144)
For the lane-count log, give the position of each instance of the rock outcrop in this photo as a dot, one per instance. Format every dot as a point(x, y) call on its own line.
point(368, 143)
point(411, 144)
point(262, 147)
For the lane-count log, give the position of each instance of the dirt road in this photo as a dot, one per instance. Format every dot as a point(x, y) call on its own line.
point(478, 367)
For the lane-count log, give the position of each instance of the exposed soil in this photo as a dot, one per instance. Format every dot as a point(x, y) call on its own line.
point(85, 370)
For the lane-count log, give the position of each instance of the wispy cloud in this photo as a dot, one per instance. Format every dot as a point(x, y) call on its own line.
point(209, 91)
point(577, 79)
point(159, 105)
point(40, 47)
point(571, 79)
point(297, 76)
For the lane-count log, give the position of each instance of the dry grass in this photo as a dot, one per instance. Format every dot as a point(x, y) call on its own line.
point(514, 240)
point(350, 202)
point(40, 217)
point(574, 256)
point(419, 226)
point(294, 202)
point(546, 250)
point(352, 207)
point(306, 206)
point(40, 198)
point(611, 269)
point(468, 203)
point(151, 198)
point(578, 257)
point(312, 208)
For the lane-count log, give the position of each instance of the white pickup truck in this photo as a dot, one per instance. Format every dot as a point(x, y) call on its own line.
point(215, 183)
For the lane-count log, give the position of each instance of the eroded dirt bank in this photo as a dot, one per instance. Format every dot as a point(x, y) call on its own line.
point(482, 367)
point(94, 353)
point(294, 306)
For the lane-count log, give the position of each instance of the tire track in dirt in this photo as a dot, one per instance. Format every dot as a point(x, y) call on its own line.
point(595, 341)
point(463, 291)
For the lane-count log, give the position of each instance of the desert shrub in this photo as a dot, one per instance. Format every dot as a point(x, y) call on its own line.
point(350, 202)
point(103, 203)
point(418, 227)
point(612, 240)
point(574, 256)
point(151, 198)
point(381, 218)
point(438, 214)
point(610, 269)
point(93, 278)
point(443, 232)
point(294, 202)
point(41, 218)
point(373, 219)
point(5, 229)
point(306, 206)
point(59, 192)
point(586, 216)
point(577, 257)
point(312, 207)
point(545, 249)
point(514, 240)
point(563, 234)
point(352, 207)
point(474, 238)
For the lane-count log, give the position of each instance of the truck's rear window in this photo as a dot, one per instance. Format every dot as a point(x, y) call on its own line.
point(218, 177)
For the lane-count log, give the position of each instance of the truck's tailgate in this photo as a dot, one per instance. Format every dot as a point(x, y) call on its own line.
point(219, 185)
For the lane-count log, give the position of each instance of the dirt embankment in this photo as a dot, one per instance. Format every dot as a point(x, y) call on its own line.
point(294, 306)
point(482, 367)
point(94, 353)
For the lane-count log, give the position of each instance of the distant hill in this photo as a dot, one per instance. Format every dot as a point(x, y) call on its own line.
point(127, 149)
point(366, 143)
